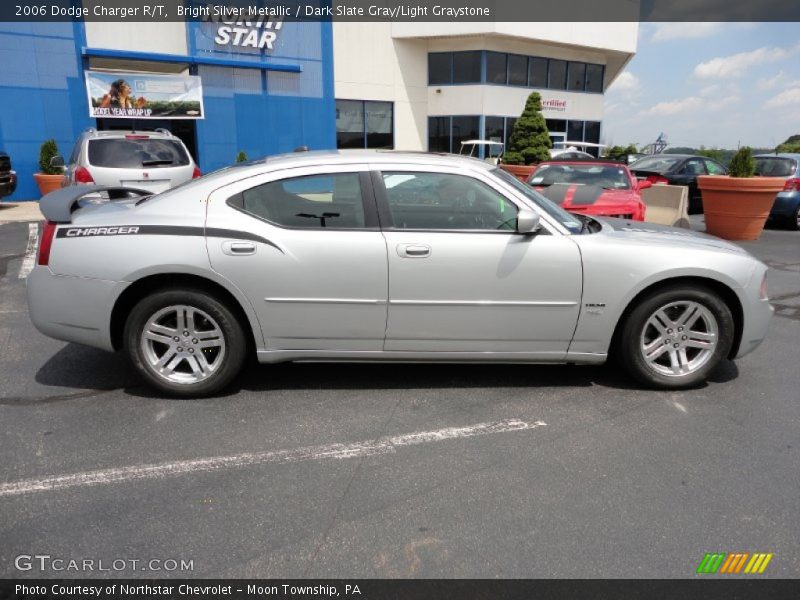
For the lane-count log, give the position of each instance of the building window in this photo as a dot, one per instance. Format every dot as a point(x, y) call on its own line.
point(439, 134)
point(574, 131)
point(558, 75)
point(494, 129)
point(556, 125)
point(467, 67)
point(594, 79)
point(364, 124)
point(577, 77)
point(537, 72)
point(517, 70)
point(440, 68)
point(496, 68)
point(500, 68)
point(463, 129)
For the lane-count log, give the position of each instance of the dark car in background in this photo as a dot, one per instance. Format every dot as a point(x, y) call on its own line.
point(8, 177)
point(678, 169)
point(592, 186)
point(786, 210)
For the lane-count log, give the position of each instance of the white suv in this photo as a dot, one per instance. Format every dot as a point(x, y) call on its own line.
point(151, 160)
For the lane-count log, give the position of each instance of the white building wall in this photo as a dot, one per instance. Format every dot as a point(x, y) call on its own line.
point(389, 62)
point(370, 65)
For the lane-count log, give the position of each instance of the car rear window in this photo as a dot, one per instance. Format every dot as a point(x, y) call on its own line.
point(655, 163)
point(605, 176)
point(128, 153)
point(775, 166)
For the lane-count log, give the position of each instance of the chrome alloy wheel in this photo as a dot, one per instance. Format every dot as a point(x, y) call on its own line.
point(182, 344)
point(679, 338)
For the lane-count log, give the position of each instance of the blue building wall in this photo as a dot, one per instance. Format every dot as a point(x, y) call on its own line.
point(262, 111)
point(261, 102)
point(42, 94)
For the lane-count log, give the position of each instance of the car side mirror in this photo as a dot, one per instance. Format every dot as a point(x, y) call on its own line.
point(527, 222)
point(57, 162)
point(643, 185)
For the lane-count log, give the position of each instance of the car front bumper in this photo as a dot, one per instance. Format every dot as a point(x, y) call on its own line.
point(73, 309)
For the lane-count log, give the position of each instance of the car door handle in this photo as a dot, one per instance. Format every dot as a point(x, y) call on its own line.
point(238, 248)
point(413, 250)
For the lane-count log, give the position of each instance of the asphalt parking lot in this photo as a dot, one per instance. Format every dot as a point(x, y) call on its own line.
point(398, 470)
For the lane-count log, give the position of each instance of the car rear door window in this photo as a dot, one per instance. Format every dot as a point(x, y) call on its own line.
point(443, 201)
point(694, 166)
point(714, 168)
point(137, 153)
point(313, 202)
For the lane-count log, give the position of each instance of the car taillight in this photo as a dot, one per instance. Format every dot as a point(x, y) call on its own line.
point(654, 179)
point(82, 175)
point(763, 290)
point(46, 243)
point(792, 184)
point(196, 173)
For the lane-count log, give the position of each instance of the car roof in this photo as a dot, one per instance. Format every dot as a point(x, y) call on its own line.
point(344, 157)
point(794, 155)
point(121, 133)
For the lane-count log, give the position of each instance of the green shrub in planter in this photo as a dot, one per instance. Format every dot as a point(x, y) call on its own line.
point(742, 163)
point(48, 150)
point(530, 141)
point(241, 157)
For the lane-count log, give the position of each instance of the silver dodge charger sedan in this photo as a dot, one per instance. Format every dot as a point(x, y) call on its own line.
point(382, 256)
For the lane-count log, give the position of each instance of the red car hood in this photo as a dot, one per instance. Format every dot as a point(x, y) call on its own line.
point(593, 199)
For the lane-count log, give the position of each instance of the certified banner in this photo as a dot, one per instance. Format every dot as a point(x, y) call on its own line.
point(144, 96)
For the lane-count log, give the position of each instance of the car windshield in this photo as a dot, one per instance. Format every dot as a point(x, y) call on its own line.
point(775, 166)
point(567, 220)
point(655, 163)
point(137, 153)
point(611, 177)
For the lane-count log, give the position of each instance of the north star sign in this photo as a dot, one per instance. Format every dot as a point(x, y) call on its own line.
point(248, 34)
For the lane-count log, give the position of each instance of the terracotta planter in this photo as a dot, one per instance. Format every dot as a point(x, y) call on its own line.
point(736, 208)
point(48, 183)
point(521, 172)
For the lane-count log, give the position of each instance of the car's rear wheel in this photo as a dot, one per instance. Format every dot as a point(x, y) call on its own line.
point(185, 342)
point(675, 337)
point(794, 221)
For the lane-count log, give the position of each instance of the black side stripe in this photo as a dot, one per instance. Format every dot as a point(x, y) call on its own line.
point(117, 230)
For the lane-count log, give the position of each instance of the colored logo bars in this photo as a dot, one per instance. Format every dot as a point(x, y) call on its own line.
point(734, 563)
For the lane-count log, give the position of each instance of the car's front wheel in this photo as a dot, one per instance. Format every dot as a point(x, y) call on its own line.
point(676, 336)
point(185, 342)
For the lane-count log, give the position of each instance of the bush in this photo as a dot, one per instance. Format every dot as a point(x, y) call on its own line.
point(530, 141)
point(619, 152)
point(48, 150)
point(742, 163)
point(241, 157)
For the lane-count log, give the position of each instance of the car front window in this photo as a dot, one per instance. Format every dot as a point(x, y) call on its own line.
point(566, 220)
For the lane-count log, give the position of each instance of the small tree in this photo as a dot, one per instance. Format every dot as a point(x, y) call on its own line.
point(241, 157)
point(48, 150)
point(619, 153)
point(530, 141)
point(742, 163)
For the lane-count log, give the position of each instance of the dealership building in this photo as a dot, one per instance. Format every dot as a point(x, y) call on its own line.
point(272, 85)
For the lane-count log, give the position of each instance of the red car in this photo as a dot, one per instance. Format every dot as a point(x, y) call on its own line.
point(592, 187)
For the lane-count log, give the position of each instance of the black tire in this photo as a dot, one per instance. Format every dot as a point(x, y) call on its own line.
point(235, 345)
point(629, 353)
point(794, 221)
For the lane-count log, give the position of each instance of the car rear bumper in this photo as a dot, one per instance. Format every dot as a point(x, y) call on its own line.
point(8, 183)
point(73, 309)
point(786, 204)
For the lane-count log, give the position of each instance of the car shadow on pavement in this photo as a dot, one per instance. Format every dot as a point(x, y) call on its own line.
point(84, 368)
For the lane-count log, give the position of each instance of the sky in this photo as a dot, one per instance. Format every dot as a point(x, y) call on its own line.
point(719, 85)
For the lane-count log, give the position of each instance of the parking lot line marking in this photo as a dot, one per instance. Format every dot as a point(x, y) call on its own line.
point(336, 451)
point(30, 251)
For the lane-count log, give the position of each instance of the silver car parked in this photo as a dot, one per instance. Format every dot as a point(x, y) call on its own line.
point(364, 255)
point(150, 160)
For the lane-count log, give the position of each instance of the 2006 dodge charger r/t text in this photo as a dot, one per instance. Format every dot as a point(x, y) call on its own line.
point(371, 255)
